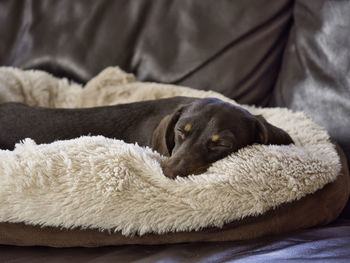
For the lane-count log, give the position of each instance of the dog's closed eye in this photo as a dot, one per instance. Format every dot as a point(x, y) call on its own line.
point(184, 131)
point(220, 144)
point(181, 133)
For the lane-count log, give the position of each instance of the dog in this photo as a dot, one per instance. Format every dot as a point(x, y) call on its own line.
point(192, 132)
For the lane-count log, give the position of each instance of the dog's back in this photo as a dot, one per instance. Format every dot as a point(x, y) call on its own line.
point(132, 122)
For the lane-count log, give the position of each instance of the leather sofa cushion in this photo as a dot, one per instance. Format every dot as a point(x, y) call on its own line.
point(315, 73)
point(233, 47)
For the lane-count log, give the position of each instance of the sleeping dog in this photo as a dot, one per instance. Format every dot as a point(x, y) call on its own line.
point(193, 132)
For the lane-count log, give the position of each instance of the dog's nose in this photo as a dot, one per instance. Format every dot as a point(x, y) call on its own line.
point(169, 171)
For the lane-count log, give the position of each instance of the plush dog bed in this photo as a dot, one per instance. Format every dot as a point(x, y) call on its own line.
point(117, 192)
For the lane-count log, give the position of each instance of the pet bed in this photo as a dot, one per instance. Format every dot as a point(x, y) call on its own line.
point(93, 191)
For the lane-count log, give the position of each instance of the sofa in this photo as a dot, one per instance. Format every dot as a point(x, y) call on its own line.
point(279, 53)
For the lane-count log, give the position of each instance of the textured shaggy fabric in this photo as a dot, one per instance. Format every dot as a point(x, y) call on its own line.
point(107, 184)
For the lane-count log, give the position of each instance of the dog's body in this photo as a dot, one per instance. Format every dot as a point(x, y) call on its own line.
point(194, 132)
point(133, 122)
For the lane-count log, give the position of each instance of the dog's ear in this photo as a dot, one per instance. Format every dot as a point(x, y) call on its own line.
point(163, 140)
point(269, 134)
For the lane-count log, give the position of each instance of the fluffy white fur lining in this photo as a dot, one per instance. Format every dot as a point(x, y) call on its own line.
point(96, 182)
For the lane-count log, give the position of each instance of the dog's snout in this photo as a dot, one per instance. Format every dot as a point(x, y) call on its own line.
point(168, 172)
point(173, 167)
point(170, 169)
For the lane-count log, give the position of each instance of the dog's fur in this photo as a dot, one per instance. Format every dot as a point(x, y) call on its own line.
point(194, 132)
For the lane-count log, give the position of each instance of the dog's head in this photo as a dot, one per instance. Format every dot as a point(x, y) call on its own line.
point(206, 130)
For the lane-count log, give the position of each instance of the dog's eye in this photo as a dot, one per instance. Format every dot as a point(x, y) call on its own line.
point(220, 145)
point(181, 133)
point(225, 144)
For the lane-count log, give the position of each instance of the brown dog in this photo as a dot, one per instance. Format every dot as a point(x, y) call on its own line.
point(206, 130)
point(195, 132)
